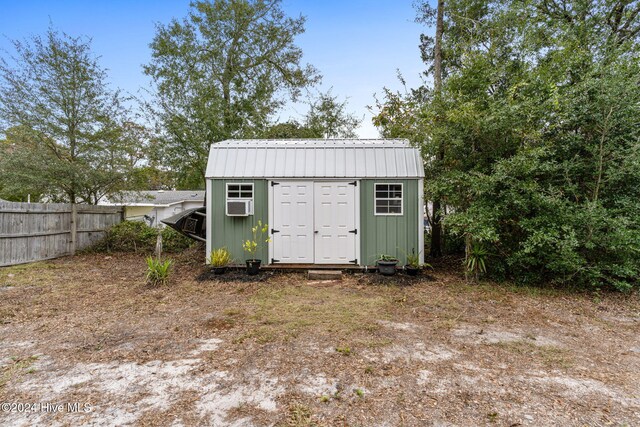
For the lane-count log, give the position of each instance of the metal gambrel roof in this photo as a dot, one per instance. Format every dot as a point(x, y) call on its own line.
point(314, 158)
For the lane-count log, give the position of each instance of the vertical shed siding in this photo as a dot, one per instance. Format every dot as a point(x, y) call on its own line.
point(389, 235)
point(229, 231)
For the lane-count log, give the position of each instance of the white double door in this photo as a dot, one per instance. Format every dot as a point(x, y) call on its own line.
point(314, 222)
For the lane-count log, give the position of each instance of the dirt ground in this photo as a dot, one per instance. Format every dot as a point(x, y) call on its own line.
point(286, 351)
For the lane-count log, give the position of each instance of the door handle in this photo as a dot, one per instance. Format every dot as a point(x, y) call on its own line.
point(315, 232)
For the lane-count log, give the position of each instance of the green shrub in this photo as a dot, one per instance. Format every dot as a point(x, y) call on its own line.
point(136, 236)
point(172, 241)
point(157, 271)
point(127, 236)
point(544, 235)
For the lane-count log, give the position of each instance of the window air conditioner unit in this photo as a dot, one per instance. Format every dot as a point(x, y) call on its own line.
point(239, 208)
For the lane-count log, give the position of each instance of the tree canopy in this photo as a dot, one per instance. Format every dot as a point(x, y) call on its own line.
point(68, 136)
point(327, 117)
point(540, 113)
point(222, 72)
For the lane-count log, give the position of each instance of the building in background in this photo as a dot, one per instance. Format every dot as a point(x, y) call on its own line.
point(154, 206)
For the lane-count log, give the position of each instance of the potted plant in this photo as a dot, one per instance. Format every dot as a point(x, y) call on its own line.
point(251, 246)
point(387, 265)
point(220, 259)
point(413, 264)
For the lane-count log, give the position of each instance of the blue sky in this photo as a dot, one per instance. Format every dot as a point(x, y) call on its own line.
point(356, 45)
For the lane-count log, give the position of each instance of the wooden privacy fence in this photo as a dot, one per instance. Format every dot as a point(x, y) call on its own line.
point(37, 231)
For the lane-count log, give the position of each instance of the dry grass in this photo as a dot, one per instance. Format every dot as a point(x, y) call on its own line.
point(289, 352)
point(300, 416)
point(16, 367)
point(288, 311)
point(548, 355)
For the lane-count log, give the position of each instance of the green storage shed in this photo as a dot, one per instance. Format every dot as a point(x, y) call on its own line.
point(339, 202)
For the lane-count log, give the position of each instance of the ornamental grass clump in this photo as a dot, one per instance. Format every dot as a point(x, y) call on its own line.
point(157, 271)
point(220, 257)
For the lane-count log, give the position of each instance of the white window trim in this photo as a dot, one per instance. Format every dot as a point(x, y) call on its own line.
point(375, 213)
point(239, 199)
point(226, 194)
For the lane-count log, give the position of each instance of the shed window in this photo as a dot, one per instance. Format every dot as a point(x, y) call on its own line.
point(240, 191)
point(388, 199)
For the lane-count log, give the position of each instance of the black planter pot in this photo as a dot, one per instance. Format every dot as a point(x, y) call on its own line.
point(387, 268)
point(411, 271)
point(253, 266)
point(219, 270)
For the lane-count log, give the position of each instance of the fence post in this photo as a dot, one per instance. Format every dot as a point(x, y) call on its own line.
point(159, 244)
point(74, 228)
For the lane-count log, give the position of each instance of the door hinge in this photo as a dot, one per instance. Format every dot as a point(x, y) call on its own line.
point(354, 183)
point(273, 261)
point(274, 231)
point(273, 183)
point(354, 231)
point(354, 261)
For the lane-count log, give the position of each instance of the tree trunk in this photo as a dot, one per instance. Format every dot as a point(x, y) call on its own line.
point(436, 227)
point(436, 230)
point(437, 50)
point(467, 252)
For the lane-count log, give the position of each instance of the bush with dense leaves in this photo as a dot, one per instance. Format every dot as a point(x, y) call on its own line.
point(551, 187)
point(539, 232)
point(136, 236)
point(533, 141)
point(172, 241)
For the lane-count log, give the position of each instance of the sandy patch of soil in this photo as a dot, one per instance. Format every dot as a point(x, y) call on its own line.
point(487, 335)
point(415, 352)
point(401, 326)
